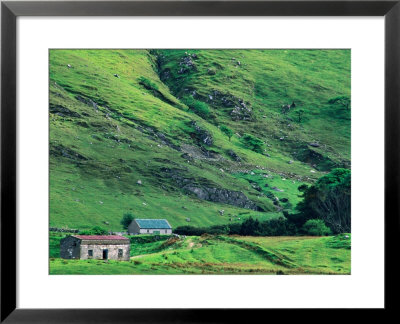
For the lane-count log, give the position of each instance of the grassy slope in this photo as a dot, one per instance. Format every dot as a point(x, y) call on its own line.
point(221, 255)
point(99, 152)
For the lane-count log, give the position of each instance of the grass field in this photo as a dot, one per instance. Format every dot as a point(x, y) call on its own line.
point(219, 255)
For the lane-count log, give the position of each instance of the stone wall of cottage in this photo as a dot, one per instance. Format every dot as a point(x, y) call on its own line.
point(112, 251)
point(70, 248)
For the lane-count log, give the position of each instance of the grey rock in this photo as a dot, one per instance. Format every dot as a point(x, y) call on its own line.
point(203, 135)
point(63, 111)
point(211, 72)
point(186, 64)
point(87, 101)
point(241, 112)
point(234, 156)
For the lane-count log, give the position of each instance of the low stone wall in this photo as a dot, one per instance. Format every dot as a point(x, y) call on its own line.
point(63, 230)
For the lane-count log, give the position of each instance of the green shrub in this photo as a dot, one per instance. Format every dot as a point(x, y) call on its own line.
point(253, 143)
point(227, 131)
point(126, 220)
point(200, 108)
point(316, 227)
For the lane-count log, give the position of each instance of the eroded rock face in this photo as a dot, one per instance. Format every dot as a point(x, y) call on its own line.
point(87, 101)
point(202, 135)
point(199, 153)
point(314, 158)
point(241, 110)
point(186, 64)
point(225, 196)
point(62, 151)
point(234, 156)
point(62, 111)
point(208, 192)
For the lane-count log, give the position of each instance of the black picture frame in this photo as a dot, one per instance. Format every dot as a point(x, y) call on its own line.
point(11, 10)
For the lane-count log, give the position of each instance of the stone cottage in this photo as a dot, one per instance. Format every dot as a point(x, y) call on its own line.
point(149, 226)
point(113, 247)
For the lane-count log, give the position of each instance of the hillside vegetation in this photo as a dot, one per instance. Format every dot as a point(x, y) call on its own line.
point(198, 137)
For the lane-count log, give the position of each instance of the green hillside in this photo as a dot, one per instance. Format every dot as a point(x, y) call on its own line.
point(144, 131)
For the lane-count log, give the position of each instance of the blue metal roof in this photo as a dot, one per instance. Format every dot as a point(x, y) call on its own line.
point(152, 223)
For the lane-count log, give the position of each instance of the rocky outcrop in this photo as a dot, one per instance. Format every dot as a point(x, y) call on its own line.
point(203, 190)
point(314, 158)
point(241, 110)
point(165, 140)
point(234, 156)
point(186, 64)
point(224, 196)
point(62, 111)
point(87, 101)
point(201, 134)
point(199, 153)
point(60, 150)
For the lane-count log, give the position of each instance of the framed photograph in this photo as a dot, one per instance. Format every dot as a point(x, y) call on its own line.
point(162, 159)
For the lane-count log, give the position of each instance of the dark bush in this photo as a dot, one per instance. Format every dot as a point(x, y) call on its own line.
point(251, 227)
point(328, 199)
point(198, 231)
point(126, 220)
point(253, 143)
point(316, 227)
point(200, 108)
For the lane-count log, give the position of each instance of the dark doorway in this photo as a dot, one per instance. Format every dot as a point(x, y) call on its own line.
point(105, 254)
